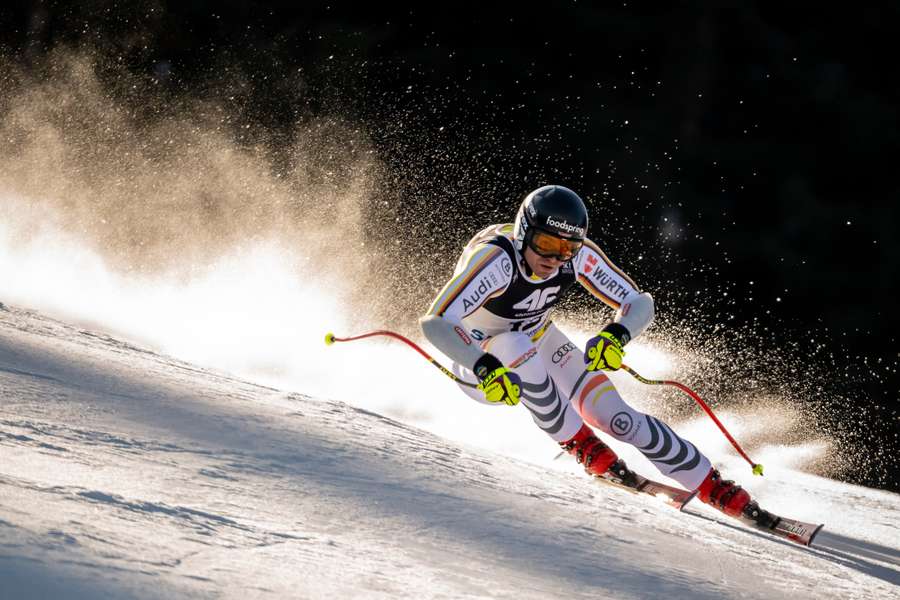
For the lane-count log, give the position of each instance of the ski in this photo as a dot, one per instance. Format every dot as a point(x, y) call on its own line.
point(793, 530)
point(622, 477)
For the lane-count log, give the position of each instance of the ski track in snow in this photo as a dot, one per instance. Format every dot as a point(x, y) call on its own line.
point(124, 473)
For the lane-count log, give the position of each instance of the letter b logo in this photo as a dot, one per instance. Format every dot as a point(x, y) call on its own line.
point(621, 424)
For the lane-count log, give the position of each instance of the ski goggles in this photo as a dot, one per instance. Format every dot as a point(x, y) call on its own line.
point(548, 245)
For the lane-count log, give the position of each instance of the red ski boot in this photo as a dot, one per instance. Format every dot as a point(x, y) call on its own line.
point(588, 449)
point(731, 499)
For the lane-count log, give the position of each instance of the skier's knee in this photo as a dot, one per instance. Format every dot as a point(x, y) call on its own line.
point(512, 348)
point(600, 405)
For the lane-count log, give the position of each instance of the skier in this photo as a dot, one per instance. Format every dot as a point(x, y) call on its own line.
point(493, 319)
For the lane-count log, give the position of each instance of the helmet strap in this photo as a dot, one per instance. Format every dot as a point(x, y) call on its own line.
point(526, 243)
point(526, 267)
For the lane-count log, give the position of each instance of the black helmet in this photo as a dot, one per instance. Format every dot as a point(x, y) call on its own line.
point(554, 209)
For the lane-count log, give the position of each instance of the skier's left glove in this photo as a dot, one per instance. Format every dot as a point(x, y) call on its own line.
point(498, 383)
point(605, 350)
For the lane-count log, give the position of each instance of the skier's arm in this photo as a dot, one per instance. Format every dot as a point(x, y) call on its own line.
point(634, 308)
point(447, 336)
point(479, 278)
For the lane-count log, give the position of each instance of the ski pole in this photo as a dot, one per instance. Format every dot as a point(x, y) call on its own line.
point(757, 468)
point(330, 339)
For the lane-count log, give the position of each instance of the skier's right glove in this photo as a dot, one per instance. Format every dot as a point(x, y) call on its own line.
point(498, 383)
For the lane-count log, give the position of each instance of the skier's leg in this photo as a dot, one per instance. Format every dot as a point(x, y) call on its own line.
point(551, 410)
point(595, 398)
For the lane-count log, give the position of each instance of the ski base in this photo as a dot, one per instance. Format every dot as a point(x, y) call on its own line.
point(638, 484)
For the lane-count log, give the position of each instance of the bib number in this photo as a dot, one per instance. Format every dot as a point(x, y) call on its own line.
point(525, 324)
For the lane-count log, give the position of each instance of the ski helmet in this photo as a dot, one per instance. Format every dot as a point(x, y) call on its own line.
point(553, 209)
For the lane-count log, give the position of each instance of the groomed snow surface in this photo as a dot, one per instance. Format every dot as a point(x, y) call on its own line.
point(128, 474)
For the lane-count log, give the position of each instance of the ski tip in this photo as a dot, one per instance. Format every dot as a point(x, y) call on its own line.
point(814, 534)
point(329, 339)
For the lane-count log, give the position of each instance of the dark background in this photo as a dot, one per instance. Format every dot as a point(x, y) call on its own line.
point(739, 157)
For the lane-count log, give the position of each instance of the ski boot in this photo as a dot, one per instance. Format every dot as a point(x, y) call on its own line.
point(725, 495)
point(600, 461)
point(735, 502)
point(587, 449)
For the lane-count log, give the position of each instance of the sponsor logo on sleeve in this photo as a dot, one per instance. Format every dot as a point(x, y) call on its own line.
point(610, 284)
point(470, 300)
point(463, 335)
point(590, 264)
point(506, 265)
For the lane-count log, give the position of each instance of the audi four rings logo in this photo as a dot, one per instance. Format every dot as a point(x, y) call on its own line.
point(562, 351)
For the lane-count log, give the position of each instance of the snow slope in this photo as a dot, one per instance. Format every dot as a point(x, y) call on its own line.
point(128, 474)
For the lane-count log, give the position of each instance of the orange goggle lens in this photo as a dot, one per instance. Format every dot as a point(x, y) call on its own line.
point(550, 246)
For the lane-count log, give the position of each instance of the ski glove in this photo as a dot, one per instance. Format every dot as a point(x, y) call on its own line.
point(498, 383)
point(604, 350)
